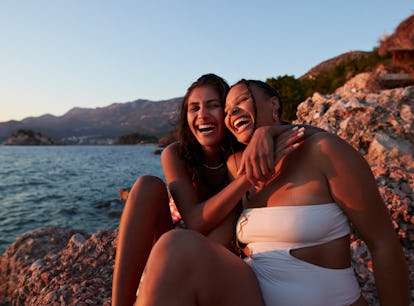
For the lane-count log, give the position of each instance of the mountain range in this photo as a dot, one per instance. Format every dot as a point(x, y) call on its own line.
point(99, 125)
point(103, 124)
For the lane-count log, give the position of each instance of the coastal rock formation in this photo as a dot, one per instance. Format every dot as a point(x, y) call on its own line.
point(30, 138)
point(67, 267)
point(379, 124)
point(58, 266)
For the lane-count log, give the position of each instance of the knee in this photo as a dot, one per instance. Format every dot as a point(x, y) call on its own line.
point(150, 182)
point(175, 240)
point(148, 189)
point(180, 245)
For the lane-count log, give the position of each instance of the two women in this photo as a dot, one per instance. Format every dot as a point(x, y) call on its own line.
point(295, 227)
point(195, 170)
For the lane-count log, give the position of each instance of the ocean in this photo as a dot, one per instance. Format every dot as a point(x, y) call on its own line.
point(68, 186)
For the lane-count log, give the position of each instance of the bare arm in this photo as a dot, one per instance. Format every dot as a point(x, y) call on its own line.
point(199, 215)
point(354, 188)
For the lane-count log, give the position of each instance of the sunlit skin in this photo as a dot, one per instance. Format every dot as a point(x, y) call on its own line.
point(240, 120)
point(205, 117)
point(240, 115)
point(147, 215)
point(318, 172)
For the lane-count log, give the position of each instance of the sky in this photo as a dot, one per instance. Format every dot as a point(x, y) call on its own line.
point(56, 55)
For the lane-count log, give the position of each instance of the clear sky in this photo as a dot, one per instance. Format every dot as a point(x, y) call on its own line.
point(56, 55)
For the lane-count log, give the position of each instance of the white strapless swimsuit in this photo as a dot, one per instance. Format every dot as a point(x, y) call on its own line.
point(271, 232)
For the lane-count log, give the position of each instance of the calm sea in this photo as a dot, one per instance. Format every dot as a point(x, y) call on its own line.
point(70, 186)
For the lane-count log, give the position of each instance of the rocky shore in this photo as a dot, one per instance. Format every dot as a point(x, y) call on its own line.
point(61, 266)
point(58, 266)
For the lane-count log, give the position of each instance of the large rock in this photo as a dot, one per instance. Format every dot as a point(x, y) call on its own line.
point(379, 124)
point(58, 266)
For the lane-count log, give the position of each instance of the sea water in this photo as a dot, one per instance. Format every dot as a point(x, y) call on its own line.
point(68, 186)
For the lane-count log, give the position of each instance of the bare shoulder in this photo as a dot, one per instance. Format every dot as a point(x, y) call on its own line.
point(172, 164)
point(329, 143)
point(323, 136)
point(170, 152)
point(331, 153)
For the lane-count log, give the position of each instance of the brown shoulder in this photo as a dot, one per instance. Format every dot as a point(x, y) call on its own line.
point(170, 151)
point(325, 141)
point(171, 158)
point(331, 150)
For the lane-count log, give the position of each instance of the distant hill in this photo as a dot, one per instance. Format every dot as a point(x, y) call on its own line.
point(401, 39)
point(333, 62)
point(140, 116)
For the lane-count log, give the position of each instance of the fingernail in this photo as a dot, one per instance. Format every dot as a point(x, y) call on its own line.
point(295, 128)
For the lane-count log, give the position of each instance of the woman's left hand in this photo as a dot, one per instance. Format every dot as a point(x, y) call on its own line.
point(264, 152)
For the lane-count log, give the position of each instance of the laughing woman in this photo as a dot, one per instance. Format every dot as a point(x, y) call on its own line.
point(297, 227)
point(194, 169)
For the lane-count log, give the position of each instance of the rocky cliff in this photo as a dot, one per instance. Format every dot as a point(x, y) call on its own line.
point(68, 267)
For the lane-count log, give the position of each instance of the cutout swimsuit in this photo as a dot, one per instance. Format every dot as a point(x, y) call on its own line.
point(272, 232)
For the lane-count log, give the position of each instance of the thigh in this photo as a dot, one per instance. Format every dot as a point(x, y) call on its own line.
point(232, 281)
point(214, 274)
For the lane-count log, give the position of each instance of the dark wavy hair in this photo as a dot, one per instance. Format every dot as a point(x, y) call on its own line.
point(189, 148)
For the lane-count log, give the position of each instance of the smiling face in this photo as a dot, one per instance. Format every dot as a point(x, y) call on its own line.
point(205, 117)
point(248, 108)
point(240, 113)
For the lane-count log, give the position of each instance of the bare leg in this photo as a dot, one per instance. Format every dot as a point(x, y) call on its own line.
point(146, 216)
point(185, 268)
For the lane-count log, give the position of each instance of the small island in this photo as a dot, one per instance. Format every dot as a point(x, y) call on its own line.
point(26, 137)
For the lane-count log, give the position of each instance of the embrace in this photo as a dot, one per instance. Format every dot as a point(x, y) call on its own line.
point(268, 209)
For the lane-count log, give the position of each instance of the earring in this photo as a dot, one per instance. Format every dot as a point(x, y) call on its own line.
point(275, 115)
